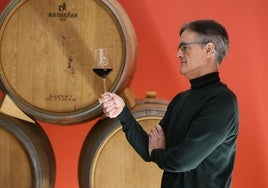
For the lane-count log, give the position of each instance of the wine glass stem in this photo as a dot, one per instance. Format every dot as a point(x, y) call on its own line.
point(104, 85)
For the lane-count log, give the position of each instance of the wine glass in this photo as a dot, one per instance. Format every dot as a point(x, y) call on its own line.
point(103, 63)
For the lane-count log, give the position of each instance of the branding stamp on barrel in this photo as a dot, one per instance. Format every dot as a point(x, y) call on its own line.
point(62, 13)
point(61, 97)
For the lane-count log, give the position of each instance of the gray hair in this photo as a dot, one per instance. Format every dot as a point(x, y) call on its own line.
point(210, 31)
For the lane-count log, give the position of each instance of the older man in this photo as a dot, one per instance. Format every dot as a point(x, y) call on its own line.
point(195, 142)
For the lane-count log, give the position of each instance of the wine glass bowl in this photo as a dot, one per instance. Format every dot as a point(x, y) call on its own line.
point(103, 63)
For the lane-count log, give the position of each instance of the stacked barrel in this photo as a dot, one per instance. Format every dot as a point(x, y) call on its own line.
point(46, 72)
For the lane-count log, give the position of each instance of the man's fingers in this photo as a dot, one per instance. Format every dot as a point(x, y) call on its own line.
point(153, 131)
point(159, 129)
point(103, 99)
point(112, 104)
point(109, 94)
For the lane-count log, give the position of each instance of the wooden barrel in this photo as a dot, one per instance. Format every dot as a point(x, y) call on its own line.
point(26, 156)
point(107, 160)
point(46, 61)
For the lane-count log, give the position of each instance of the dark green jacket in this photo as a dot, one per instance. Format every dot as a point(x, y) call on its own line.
point(201, 127)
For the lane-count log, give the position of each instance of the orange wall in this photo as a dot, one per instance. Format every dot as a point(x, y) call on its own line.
point(156, 24)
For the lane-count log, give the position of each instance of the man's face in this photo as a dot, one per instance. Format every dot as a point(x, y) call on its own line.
point(192, 54)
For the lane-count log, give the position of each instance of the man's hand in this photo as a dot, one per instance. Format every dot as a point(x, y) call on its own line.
point(112, 104)
point(156, 139)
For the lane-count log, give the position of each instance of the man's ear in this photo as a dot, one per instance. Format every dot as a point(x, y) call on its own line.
point(210, 48)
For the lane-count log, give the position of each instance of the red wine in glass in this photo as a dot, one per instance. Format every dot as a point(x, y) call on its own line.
point(102, 72)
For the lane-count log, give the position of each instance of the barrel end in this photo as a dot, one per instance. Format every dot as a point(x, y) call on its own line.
point(8, 107)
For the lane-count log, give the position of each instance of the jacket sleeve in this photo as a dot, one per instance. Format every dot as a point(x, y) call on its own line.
point(217, 121)
point(135, 134)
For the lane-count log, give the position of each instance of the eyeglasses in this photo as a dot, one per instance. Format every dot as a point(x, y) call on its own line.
point(184, 45)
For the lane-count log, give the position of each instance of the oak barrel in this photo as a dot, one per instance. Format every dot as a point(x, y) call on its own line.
point(46, 61)
point(108, 161)
point(26, 156)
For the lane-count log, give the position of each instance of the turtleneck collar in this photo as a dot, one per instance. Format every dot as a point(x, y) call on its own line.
point(205, 80)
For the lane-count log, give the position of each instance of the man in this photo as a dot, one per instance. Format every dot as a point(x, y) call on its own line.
point(195, 142)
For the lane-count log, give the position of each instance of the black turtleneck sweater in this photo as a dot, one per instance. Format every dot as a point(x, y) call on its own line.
point(201, 127)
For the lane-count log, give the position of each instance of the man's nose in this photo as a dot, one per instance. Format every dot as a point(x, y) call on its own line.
point(179, 54)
